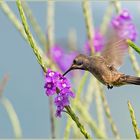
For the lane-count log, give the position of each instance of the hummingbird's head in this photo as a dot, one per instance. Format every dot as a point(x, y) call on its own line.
point(80, 62)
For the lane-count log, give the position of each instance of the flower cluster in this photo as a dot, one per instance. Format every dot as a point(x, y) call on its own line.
point(62, 59)
point(56, 82)
point(98, 43)
point(124, 26)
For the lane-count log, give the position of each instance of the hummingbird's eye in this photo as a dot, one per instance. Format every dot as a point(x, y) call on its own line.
point(80, 62)
point(77, 62)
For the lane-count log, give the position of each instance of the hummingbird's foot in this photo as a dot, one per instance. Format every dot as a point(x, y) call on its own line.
point(109, 86)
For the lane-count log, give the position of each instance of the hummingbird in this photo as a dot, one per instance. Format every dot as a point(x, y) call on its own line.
point(105, 66)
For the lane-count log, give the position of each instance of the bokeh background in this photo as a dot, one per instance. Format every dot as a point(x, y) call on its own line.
point(25, 86)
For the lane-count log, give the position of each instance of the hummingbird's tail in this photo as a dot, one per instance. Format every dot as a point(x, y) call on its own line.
point(132, 80)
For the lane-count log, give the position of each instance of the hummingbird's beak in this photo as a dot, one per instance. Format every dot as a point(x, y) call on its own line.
point(71, 68)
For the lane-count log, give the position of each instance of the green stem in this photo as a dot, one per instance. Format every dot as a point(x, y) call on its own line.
point(134, 46)
point(6, 9)
point(88, 22)
point(50, 20)
point(13, 117)
point(79, 90)
point(99, 107)
point(52, 119)
point(81, 85)
point(72, 39)
point(67, 129)
point(134, 62)
point(43, 64)
point(134, 122)
point(89, 120)
point(9, 13)
point(133, 57)
point(117, 5)
point(108, 114)
point(76, 120)
point(106, 19)
point(30, 38)
point(40, 35)
point(10, 109)
point(89, 96)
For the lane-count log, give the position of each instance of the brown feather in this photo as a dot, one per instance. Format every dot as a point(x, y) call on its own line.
point(115, 50)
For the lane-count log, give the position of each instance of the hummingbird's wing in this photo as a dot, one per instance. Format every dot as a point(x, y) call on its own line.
point(114, 51)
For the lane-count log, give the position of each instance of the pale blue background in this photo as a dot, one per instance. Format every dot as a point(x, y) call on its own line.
point(25, 87)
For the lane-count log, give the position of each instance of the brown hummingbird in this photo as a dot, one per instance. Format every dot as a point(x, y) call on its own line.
point(105, 66)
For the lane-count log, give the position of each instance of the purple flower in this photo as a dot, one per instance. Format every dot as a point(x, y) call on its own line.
point(67, 60)
point(62, 100)
point(54, 81)
point(128, 31)
point(98, 41)
point(117, 22)
point(50, 85)
point(125, 15)
point(121, 19)
point(59, 111)
point(63, 83)
point(123, 26)
point(50, 88)
point(61, 58)
point(56, 52)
